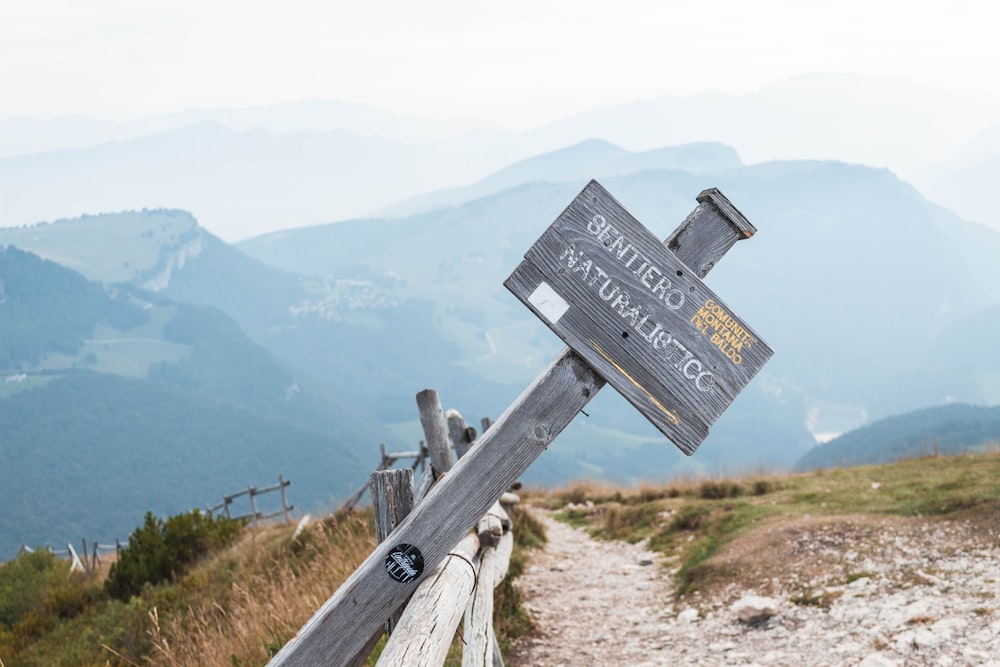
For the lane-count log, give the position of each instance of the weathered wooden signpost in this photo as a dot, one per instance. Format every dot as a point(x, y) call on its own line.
point(635, 314)
point(639, 316)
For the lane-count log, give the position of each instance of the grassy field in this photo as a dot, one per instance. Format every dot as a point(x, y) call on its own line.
point(238, 606)
point(693, 521)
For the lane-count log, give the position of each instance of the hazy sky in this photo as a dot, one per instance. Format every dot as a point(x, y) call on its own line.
point(518, 62)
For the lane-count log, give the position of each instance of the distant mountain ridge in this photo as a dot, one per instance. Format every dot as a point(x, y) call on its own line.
point(945, 430)
point(836, 241)
point(593, 158)
point(244, 172)
point(857, 282)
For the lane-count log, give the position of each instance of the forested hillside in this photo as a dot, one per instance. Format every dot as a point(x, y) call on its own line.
point(947, 430)
point(89, 453)
point(48, 308)
point(116, 400)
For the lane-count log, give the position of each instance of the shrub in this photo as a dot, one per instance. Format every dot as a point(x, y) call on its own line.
point(719, 490)
point(630, 523)
point(689, 518)
point(161, 550)
point(25, 583)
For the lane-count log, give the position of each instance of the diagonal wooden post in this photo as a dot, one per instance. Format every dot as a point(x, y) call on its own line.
point(338, 631)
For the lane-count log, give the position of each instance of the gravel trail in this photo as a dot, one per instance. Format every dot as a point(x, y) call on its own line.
point(869, 592)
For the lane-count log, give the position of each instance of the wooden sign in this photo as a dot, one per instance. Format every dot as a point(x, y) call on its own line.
point(339, 632)
point(639, 316)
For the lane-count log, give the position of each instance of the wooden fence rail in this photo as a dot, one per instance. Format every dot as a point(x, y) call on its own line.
point(421, 631)
point(87, 560)
point(253, 492)
point(462, 585)
point(388, 460)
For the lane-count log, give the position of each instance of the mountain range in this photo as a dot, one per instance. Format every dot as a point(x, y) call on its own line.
point(116, 398)
point(142, 341)
point(944, 430)
point(244, 172)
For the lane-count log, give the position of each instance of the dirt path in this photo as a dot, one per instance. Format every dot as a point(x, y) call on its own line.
point(877, 592)
point(596, 603)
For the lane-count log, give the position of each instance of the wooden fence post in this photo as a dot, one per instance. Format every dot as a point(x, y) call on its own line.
point(392, 500)
point(284, 499)
point(75, 563)
point(436, 431)
point(456, 432)
point(342, 625)
point(480, 647)
point(253, 504)
point(430, 619)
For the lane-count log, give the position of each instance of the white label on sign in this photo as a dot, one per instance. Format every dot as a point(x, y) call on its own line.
point(549, 304)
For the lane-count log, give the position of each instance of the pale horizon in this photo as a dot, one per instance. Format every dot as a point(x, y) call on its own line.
point(520, 67)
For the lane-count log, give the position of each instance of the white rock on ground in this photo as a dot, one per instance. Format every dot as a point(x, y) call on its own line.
point(754, 608)
point(595, 606)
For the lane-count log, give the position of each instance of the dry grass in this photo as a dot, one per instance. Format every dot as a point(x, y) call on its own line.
point(276, 586)
point(721, 530)
point(604, 493)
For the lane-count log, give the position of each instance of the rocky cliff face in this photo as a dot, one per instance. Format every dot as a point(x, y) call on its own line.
point(173, 257)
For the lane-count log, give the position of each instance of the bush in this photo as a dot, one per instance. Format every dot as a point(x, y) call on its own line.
point(25, 582)
point(161, 550)
point(37, 592)
point(719, 490)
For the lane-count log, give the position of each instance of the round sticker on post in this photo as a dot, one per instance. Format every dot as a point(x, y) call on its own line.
point(404, 563)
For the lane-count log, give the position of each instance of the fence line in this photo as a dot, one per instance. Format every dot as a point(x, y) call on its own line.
point(253, 492)
point(459, 436)
point(80, 562)
point(387, 461)
point(87, 560)
point(461, 585)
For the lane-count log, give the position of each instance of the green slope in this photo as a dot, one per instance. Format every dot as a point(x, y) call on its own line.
point(47, 308)
point(87, 454)
point(949, 429)
point(207, 408)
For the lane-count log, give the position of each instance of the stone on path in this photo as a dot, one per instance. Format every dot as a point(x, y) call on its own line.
point(754, 608)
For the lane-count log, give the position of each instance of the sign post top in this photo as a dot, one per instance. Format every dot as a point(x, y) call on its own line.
point(639, 315)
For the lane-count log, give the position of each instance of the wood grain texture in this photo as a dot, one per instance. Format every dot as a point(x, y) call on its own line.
point(478, 627)
point(392, 499)
point(709, 232)
point(435, 430)
point(339, 629)
point(456, 432)
point(426, 482)
point(639, 316)
point(428, 623)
